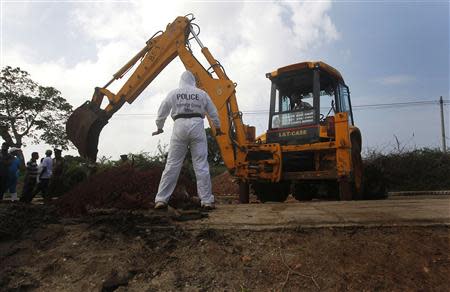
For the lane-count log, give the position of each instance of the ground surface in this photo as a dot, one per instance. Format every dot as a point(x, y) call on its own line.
point(407, 211)
point(400, 245)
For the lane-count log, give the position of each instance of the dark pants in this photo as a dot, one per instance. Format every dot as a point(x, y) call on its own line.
point(27, 192)
point(56, 186)
point(3, 185)
point(42, 188)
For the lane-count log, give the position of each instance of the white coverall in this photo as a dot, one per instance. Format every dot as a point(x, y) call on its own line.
point(187, 132)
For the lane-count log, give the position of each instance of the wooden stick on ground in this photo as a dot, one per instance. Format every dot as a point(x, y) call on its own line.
point(295, 272)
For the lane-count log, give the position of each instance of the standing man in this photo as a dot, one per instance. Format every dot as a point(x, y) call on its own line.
point(30, 179)
point(56, 185)
point(17, 163)
point(44, 176)
point(187, 105)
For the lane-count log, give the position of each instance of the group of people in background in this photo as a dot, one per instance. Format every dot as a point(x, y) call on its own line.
point(39, 176)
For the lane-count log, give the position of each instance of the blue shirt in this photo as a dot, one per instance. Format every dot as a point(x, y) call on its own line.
point(14, 167)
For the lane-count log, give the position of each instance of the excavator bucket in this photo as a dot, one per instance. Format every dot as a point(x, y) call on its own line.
point(83, 129)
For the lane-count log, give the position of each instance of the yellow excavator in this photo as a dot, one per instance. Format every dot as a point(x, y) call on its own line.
point(311, 148)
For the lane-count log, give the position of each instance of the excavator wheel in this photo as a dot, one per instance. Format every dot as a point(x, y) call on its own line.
point(244, 194)
point(352, 189)
point(304, 191)
point(357, 170)
point(272, 192)
point(345, 190)
point(331, 189)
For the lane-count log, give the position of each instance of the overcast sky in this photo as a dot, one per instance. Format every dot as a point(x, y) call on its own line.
point(387, 51)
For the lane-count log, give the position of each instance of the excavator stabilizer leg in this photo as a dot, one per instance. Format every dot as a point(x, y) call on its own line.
point(83, 129)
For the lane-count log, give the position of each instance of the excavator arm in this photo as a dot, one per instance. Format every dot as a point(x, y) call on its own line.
point(242, 156)
point(86, 122)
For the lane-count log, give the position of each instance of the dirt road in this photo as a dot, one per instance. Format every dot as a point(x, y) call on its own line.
point(405, 212)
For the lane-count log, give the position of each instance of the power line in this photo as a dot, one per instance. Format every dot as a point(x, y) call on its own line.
point(396, 104)
point(355, 107)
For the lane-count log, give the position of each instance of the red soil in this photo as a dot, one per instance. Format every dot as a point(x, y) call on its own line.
point(223, 185)
point(123, 187)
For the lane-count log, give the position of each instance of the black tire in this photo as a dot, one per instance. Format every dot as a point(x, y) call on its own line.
point(244, 194)
point(272, 192)
point(352, 188)
point(304, 191)
point(345, 190)
point(332, 190)
point(357, 179)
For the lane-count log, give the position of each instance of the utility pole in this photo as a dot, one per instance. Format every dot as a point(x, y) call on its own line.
point(444, 144)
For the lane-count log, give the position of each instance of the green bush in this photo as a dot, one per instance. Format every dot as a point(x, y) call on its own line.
point(76, 170)
point(420, 169)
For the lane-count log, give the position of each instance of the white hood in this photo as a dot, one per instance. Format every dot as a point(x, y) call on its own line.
point(187, 79)
point(187, 99)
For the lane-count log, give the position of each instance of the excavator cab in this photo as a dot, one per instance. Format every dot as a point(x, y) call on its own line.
point(311, 119)
point(304, 99)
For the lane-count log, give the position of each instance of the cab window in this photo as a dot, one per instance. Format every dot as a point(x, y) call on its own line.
point(344, 101)
point(295, 109)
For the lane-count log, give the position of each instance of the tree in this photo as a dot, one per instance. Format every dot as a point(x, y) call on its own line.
point(29, 110)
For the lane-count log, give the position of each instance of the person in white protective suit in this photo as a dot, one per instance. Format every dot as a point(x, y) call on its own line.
point(187, 106)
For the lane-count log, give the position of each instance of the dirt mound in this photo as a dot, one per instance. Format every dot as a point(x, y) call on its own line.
point(123, 187)
point(223, 185)
point(17, 218)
